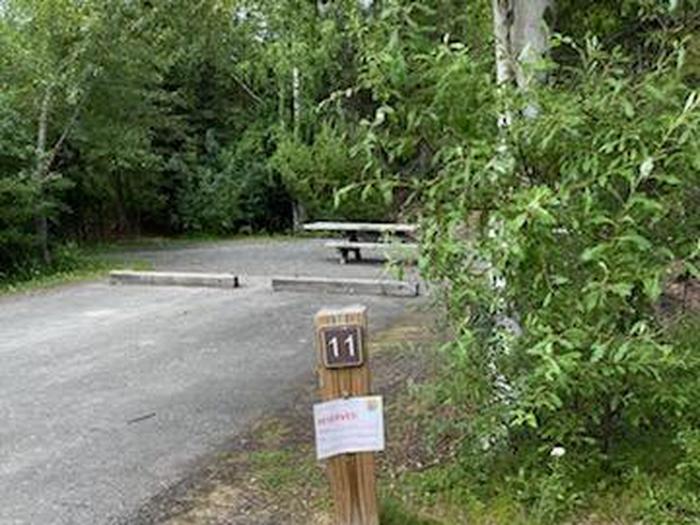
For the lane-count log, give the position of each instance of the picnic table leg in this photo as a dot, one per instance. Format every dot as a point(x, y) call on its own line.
point(353, 237)
point(344, 252)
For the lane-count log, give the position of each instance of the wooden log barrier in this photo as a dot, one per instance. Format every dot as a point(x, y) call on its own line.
point(343, 372)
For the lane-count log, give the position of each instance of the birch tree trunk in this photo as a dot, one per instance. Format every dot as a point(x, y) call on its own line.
point(530, 39)
point(298, 210)
point(296, 101)
point(502, 24)
point(42, 225)
point(45, 156)
point(521, 39)
point(281, 104)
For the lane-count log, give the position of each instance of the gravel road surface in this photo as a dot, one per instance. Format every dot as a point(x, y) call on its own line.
point(109, 394)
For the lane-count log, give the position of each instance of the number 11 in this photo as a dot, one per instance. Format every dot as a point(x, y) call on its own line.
point(350, 343)
point(334, 346)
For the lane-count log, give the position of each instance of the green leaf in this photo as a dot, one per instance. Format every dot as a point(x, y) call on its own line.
point(622, 289)
point(652, 287)
point(594, 253)
point(598, 352)
point(621, 353)
point(690, 102)
point(692, 269)
point(646, 204)
point(591, 300)
point(639, 241)
point(560, 280)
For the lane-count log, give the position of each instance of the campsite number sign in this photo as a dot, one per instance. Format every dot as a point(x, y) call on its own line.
point(342, 346)
point(348, 423)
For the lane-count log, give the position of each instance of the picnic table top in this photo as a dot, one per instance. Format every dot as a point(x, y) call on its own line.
point(379, 227)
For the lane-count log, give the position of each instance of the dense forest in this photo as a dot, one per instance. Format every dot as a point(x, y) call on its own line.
point(121, 118)
point(550, 150)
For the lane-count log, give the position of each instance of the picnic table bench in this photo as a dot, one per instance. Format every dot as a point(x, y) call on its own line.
point(392, 238)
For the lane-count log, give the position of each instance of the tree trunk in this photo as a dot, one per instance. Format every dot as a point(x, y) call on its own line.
point(41, 220)
point(529, 39)
point(298, 215)
point(298, 210)
point(281, 102)
point(522, 38)
point(296, 101)
point(503, 14)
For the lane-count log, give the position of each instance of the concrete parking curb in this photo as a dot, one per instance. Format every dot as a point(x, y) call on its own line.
point(209, 280)
point(346, 286)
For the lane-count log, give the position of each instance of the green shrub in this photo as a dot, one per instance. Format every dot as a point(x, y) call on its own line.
point(555, 243)
point(69, 262)
point(325, 178)
point(237, 190)
point(18, 198)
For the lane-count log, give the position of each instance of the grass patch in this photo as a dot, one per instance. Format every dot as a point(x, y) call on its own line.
point(180, 241)
point(280, 466)
point(276, 469)
point(71, 264)
point(393, 512)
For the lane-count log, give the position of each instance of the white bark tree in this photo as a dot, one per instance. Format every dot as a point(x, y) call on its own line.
point(530, 38)
point(54, 73)
point(503, 11)
point(522, 39)
point(42, 227)
point(298, 210)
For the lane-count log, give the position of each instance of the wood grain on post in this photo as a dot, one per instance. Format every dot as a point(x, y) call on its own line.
point(351, 476)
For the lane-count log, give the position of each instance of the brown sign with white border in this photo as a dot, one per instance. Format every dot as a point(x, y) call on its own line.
point(342, 346)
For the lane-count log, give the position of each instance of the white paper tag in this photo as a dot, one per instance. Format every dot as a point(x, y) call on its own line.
point(345, 426)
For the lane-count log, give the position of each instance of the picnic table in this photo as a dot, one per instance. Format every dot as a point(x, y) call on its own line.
point(356, 236)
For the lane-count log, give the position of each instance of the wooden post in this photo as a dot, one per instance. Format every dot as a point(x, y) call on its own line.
point(351, 476)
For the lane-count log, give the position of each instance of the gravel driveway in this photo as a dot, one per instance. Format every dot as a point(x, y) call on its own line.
point(108, 395)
